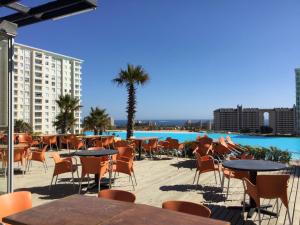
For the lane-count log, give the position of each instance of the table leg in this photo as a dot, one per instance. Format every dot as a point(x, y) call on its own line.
point(110, 165)
point(253, 175)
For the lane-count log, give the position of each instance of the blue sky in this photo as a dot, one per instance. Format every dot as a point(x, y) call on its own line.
point(200, 54)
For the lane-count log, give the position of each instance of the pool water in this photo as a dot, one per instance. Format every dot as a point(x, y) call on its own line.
point(291, 144)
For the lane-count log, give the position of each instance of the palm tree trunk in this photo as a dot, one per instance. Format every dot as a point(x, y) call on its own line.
point(130, 109)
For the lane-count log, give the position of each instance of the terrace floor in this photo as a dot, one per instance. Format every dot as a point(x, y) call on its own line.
point(160, 180)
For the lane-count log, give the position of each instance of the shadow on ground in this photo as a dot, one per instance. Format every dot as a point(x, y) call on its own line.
point(64, 188)
point(190, 187)
point(189, 164)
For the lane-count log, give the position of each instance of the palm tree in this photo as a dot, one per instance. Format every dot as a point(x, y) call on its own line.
point(97, 121)
point(131, 77)
point(65, 120)
point(22, 127)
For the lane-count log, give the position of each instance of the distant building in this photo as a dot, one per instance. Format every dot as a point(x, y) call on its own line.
point(40, 77)
point(112, 121)
point(297, 71)
point(282, 120)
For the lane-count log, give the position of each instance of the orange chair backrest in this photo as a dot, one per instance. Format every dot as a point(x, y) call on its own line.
point(273, 186)
point(14, 203)
point(221, 149)
point(153, 143)
point(223, 142)
point(121, 143)
point(127, 152)
point(228, 139)
point(118, 195)
point(105, 141)
point(98, 143)
point(25, 138)
point(187, 207)
point(91, 165)
point(173, 143)
point(56, 157)
point(247, 156)
point(205, 163)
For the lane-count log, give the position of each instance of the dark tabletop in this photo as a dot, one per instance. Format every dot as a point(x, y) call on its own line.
point(254, 165)
point(83, 210)
point(104, 152)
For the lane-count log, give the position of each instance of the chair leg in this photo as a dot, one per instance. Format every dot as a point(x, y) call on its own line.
point(228, 187)
point(73, 180)
point(44, 167)
point(223, 182)
point(198, 178)
point(80, 182)
point(195, 176)
point(99, 184)
point(289, 216)
point(220, 177)
point(51, 183)
point(277, 210)
point(215, 177)
point(244, 205)
point(130, 177)
point(259, 218)
point(134, 178)
point(56, 179)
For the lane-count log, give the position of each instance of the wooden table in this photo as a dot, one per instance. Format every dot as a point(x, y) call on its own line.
point(87, 210)
point(140, 142)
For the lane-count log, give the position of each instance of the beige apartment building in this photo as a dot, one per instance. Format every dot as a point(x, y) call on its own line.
point(282, 120)
point(297, 72)
point(40, 77)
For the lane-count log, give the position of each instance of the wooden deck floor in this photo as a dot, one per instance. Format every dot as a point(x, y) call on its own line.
point(161, 180)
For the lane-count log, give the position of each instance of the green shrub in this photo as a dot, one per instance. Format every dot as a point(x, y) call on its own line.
point(272, 154)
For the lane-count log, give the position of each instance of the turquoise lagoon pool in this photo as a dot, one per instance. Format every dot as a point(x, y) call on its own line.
point(291, 144)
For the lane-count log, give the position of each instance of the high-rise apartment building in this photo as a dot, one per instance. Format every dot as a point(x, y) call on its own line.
point(282, 120)
point(40, 77)
point(297, 71)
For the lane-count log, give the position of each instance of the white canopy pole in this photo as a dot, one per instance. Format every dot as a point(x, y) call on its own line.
point(8, 31)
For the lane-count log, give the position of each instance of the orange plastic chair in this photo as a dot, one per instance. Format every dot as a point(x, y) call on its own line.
point(123, 143)
point(187, 207)
point(151, 147)
point(50, 141)
point(98, 143)
point(14, 203)
point(76, 143)
point(118, 195)
point(234, 145)
point(235, 174)
point(176, 146)
point(220, 151)
point(19, 157)
point(62, 165)
point(39, 156)
point(106, 142)
point(268, 187)
point(206, 164)
point(93, 165)
point(125, 153)
point(125, 165)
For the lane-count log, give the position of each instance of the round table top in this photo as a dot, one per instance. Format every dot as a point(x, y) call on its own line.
point(254, 165)
point(97, 153)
